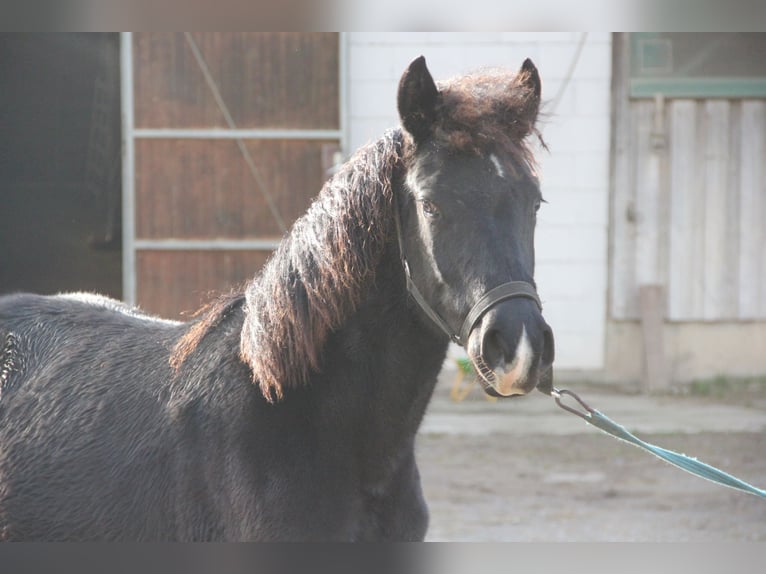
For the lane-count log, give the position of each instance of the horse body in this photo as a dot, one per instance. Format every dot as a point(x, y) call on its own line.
point(289, 411)
point(93, 447)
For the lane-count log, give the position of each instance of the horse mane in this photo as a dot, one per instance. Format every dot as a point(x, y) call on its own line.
point(321, 270)
point(208, 317)
point(316, 277)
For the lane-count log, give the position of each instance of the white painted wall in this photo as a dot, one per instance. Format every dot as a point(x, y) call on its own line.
point(572, 229)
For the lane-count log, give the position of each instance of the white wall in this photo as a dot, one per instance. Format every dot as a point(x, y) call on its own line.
point(572, 230)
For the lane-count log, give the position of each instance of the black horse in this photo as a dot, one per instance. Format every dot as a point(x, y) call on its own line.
point(289, 411)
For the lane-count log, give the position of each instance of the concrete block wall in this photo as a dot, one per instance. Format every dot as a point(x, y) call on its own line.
point(571, 243)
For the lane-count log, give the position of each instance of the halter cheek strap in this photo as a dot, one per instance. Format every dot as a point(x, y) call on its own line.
point(415, 293)
point(503, 292)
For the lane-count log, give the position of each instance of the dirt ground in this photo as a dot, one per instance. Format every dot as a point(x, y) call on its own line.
point(523, 470)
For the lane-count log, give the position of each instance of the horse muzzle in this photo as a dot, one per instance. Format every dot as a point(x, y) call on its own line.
point(512, 349)
point(507, 340)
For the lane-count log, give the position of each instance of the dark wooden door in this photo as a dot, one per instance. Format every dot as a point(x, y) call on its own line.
point(231, 137)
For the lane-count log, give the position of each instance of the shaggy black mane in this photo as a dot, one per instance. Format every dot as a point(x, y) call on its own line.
point(317, 275)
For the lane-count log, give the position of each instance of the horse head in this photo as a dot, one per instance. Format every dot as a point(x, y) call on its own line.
point(466, 219)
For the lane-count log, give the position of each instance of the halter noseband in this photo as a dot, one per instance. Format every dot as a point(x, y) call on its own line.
point(491, 298)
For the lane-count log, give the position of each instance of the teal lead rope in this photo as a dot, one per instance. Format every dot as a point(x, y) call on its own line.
point(687, 463)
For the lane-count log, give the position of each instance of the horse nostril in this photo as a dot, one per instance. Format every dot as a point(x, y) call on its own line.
point(495, 350)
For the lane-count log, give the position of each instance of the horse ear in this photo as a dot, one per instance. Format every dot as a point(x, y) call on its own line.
point(417, 99)
point(529, 81)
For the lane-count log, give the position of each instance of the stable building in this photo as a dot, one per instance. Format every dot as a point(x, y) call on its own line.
point(161, 168)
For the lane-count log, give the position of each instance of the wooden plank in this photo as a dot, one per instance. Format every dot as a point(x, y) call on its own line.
point(623, 266)
point(695, 281)
point(173, 284)
point(647, 177)
point(683, 268)
point(625, 217)
point(730, 310)
point(622, 217)
point(655, 374)
point(651, 228)
point(752, 220)
point(196, 189)
point(651, 195)
point(717, 294)
point(267, 79)
point(663, 208)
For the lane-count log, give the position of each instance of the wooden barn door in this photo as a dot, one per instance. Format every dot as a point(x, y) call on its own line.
point(689, 185)
point(228, 138)
point(689, 203)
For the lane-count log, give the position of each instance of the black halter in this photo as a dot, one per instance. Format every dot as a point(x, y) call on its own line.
point(491, 298)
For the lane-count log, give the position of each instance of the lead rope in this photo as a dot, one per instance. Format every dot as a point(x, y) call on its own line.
point(682, 461)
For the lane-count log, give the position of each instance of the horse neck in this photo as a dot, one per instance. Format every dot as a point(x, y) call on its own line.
point(387, 358)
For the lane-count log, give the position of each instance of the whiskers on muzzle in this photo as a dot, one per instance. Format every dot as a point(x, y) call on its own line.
point(487, 376)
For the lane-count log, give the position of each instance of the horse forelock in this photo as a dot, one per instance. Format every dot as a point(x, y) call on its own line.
point(320, 272)
point(488, 113)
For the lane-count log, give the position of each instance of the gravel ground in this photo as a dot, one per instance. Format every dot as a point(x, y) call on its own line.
point(522, 470)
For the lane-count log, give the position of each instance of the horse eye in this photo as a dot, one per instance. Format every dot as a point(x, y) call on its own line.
point(537, 205)
point(429, 208)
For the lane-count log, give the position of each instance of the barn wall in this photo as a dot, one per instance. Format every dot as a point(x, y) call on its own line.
point(694, 351)
point(688, 216)
point(709, 211)
point(59, 163)
point(572, 231)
